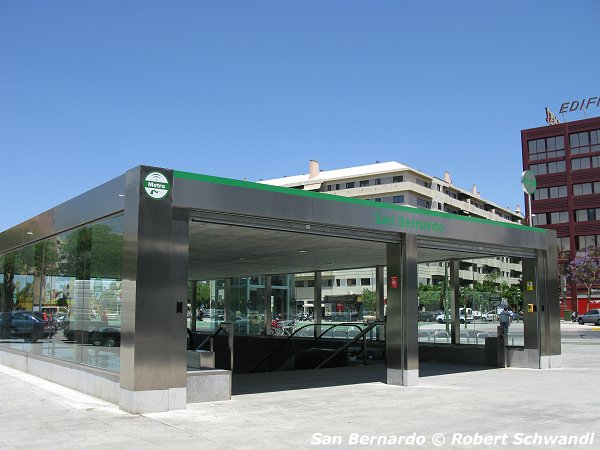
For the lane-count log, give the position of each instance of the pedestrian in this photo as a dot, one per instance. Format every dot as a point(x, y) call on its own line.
point(504, 317)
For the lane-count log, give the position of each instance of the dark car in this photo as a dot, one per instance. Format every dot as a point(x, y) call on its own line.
point(83, 330)
point(24, 325)
point(427, 316)
point(592, 316)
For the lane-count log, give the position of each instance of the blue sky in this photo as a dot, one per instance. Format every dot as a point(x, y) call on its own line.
point(255, 89)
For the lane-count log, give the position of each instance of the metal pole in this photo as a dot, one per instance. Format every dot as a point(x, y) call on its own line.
point(529, 209)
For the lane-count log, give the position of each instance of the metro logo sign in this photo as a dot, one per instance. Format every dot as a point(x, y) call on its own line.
point(156, 185)
point(394, 282)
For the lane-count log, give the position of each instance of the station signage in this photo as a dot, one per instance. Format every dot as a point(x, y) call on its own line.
point(156, 185)
point(580, 105)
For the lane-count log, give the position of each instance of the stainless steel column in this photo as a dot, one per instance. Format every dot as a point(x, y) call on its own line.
point(267, 308)
point(552, 323)
point(402, 346)
point(318, 316)
point(542, 326)
point(455, 301)
point(530, 297)
point(155, 262)
point(380, 305)
point(194, 304)
point(548, 309)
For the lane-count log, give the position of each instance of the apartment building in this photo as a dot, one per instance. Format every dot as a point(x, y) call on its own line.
point(393, 182)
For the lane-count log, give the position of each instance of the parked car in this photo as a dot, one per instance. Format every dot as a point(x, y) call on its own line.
point(24, 325)
point(489, 316)
point(442, 317)
point(516, 316)
point(91, 331)
point(426, 316)
point(592, 316)
point(108, 336)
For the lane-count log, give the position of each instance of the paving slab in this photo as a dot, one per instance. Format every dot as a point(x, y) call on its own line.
point(453, 406)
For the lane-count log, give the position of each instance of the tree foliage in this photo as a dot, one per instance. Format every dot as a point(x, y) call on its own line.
point(369, 300)
point(585, 270)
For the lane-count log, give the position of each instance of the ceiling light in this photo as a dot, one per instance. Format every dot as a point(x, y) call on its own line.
point(301, 251)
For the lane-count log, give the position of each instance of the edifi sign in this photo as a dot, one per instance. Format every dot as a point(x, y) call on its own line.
point(579, 105)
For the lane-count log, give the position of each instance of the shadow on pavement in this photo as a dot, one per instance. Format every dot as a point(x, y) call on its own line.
point(255, 383)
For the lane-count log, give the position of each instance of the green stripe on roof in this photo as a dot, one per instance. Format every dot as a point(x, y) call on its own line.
point(351, 200)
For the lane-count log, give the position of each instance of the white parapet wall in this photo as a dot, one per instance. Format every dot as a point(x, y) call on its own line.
point(202, 385)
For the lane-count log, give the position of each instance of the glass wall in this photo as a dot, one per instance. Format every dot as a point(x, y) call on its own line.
point(61, 297)
point(247, 305)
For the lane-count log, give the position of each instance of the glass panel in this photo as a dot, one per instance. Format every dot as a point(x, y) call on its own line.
point(574, 141)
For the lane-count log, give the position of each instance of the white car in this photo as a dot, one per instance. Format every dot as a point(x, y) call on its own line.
point(489, 316)
point(442, 317)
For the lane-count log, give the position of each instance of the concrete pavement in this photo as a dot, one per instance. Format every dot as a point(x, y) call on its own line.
point(511, 407)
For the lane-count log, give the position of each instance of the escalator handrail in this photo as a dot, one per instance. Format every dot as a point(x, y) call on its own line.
point(344, 347)
point(213, 333)
point(329, 327)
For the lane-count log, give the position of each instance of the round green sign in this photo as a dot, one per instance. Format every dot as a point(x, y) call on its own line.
point(528, 182)
point(156, 185)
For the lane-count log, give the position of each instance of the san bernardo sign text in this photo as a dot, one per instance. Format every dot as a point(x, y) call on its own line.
point(156, 185)
point(404, 222)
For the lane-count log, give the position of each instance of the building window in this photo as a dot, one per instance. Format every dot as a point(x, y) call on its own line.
point(398, 199)
point(350, 185)
point(551, 218)
point(586, 243)
point(423, 203)
point(310, 283)
point(329, 187)
point(378, 199)
point(423, 183)
point(539, 219)
point(338, 282)
point(551, 192)
point(585, 142)
point(585, 163)
point(327, 283)
point(585, 215)
point(552, 147)
point(377, 181)
point(363, 183)
point(586, 188)
point(551, 167)
point(337, 187)
point(398, 179)
point(449, 193)
point(559, 217)
point(365, 281)
point(351, 282)
point(299, 283)
point(564, 247)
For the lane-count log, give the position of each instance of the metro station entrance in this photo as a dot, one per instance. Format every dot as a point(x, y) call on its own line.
point(246, 242)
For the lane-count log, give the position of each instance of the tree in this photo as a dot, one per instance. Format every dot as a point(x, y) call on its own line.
point(369, 300)
point(585, 270)
point(430, 296)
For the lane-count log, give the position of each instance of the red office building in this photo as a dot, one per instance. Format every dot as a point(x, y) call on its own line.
point(566, 161)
